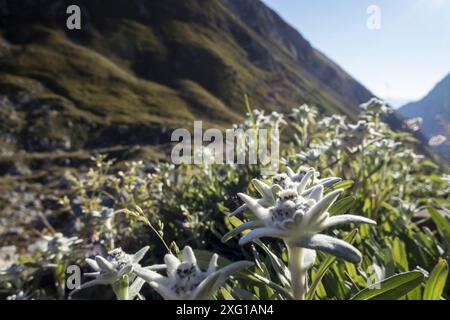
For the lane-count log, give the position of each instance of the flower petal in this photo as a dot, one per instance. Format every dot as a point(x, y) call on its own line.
point(262, 232)
point(333, 246)
point(305, 181)
point(213, 263)
point(156, 267)
point(239, 210)
point(258, 210)
point(263, 188)
point(241, 228)
point(322, 206)
point(326, 182)
point(149, 275)
point(188, 255)
point(92, 264)
point(317, 193)
point(135, 288)
point(88, 285)
point(164, 291)
point(290, 172)
point(104, 264)
point(172, 264)
point(92, 274)
point(140, 254)
point(346, 218)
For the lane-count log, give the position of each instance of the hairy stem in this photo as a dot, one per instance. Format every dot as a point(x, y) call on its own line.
point(299, 281)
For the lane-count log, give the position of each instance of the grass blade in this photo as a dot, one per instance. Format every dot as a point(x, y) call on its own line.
point(392, 288)
point(436, 282)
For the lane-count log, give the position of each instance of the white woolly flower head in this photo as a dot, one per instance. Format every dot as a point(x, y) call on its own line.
point(185, 280)
point(298, 215)
point(414, 124)
point(301, 181)
point(57, 245)
point(376, 105)
point(112, 269)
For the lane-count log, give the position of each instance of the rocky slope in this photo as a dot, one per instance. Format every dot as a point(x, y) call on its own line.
point(434, 109)
point(137, 68)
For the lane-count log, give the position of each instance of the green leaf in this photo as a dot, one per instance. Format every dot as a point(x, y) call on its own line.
point(281, 269)
point(262, 280)
point(249, 110)
point(342, 206)
point(233, 223)
point(428, 163)
point(226, 295)
point(346, 184)
point(436, 282)
point(399, 254)
point(441, 222)
point(392, 288)
point(204, 256)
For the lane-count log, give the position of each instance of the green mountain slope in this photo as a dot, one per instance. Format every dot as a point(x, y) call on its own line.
point(138, 68)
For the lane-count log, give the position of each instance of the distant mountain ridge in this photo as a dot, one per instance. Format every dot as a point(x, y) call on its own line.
point(140, 67)
point(434, 109)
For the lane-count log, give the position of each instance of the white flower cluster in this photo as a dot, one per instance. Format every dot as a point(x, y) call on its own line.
point(184, 280)
point(294, 209)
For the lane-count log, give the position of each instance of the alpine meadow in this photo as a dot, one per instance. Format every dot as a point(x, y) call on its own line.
point(205, 150)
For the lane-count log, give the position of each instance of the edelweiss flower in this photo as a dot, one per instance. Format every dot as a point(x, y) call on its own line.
point(312, 154)
point(8, 257)
point(333, 121)
point(386, 144)
point(306, 176)
point(58, 245)
point(355, 135)
point(110, 271)
point(375, 105)
point(414, 124)
point(272, 120)
point(185, 280)
point(410, 156)
point(301, 181)
point(106, 217)
point(298, 220)
point(304, 113)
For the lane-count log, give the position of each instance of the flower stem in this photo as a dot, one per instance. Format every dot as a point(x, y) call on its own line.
point(120, 288)
point(298, 272)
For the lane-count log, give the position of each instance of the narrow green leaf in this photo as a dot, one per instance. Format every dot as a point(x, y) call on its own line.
point(226, 295)
point(441, 222)
point(392, 288)
point(342, 206)
point(436, 282)
point(346, 184)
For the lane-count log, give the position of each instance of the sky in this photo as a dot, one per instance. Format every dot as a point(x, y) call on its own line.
point(400, 61)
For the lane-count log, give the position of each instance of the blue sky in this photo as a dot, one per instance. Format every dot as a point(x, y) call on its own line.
point(400, 62)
